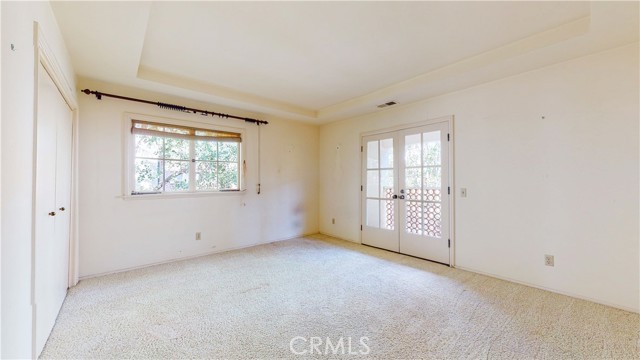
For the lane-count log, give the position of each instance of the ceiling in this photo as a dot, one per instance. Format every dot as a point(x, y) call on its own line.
point(324, 61)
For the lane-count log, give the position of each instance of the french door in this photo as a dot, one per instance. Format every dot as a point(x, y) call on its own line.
point(405, 191)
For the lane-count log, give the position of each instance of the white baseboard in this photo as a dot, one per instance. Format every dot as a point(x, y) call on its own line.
point(577, 296)
point(172, 260)
point(338, 237)
point(566, 293)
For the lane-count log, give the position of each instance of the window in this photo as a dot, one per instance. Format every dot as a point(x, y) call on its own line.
point(169, 158)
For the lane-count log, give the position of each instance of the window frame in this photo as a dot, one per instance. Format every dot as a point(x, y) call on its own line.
point(128, 178)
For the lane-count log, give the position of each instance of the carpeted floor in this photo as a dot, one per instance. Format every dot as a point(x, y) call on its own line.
point(298, 298)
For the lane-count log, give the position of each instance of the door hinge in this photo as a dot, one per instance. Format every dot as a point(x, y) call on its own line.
point(360, 227)
point(360, 187)
point(448, 137)
point(361, 148)
point(449, 190)
point(449, 243)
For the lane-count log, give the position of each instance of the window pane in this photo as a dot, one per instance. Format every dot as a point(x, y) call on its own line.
point(206, 178)
point(373, 213)
point(207, 150)
point(228, 176)
point(148, 175)
point(176, 175)
point(373, 183)
point(412, 150)
point(177, 149)
point(431, 148)
point(372, 154)
point(148, 146)
point(228, 151)
point(386, 153)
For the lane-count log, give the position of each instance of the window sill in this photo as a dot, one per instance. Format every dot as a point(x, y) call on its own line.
point(183, 195)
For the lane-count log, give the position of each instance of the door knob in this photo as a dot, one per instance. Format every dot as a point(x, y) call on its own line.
point(53, 213)
point(61, 209)
point(394, 197)
point(401, 197)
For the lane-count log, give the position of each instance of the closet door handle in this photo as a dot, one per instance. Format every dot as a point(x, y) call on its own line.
point(53, 213)
point(61, 209)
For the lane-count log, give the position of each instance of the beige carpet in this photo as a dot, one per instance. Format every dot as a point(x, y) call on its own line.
point(252, 303)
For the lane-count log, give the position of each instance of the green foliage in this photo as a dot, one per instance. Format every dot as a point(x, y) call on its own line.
point(163, 164)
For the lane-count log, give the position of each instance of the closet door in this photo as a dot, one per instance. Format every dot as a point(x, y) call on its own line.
point(53, 182)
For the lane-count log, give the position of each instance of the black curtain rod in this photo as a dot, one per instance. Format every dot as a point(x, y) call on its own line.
point(162, 105)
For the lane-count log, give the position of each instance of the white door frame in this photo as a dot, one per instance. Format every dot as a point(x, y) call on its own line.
point(43, 54)
point(450, 120)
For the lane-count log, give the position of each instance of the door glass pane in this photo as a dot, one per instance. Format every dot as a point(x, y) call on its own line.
point(373, 183)
point(432, 195)
point(432, 177)
point(388, 214)
point(432, 216)
point(373, 213)
point(386, 153)
point(413, 194)
point(372, 155)
point(413, 179)
point(414, 217)
point(386, 184)
point(431, 148)
point(412, 150)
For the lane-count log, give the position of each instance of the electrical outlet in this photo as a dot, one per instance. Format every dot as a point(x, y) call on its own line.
point(333, 221)
point(198, 236)
point(548, 260)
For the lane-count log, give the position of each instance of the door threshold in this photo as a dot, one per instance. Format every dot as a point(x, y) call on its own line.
point(413, 256)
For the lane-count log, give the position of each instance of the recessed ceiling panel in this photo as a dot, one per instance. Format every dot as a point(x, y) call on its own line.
point(317, 54)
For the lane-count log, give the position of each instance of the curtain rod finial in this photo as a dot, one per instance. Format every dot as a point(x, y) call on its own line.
point(96, 93)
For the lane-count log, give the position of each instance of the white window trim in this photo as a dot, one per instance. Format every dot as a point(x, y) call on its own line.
point(128, 171)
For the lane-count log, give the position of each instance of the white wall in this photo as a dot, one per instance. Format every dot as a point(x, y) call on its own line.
point(117, 234)
point(17, 160)
point(565, 185)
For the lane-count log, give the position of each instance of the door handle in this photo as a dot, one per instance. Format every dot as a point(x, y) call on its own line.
point(401, 197)
point(61, 209)
point(53, 213)
point(394, 197)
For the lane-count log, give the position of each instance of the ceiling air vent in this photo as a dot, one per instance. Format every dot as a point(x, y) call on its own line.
point(390, 103)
